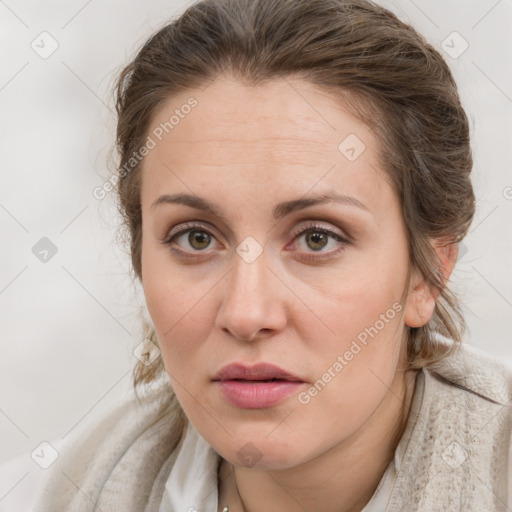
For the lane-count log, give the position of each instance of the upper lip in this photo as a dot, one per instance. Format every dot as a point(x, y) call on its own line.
point(259, 371)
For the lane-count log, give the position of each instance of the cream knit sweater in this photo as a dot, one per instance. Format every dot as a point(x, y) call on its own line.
point(457, 459)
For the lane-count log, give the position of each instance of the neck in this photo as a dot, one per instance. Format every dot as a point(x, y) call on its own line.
point(342, 479)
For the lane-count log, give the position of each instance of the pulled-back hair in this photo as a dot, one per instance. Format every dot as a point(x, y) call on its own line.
point(378, 67)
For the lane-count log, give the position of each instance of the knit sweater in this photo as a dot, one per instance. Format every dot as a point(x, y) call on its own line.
point(457, 457)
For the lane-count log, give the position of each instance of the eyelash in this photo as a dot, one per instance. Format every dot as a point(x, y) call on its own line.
point(309, 228)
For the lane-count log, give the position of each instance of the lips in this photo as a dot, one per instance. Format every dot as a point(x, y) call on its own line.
point(259, 386)
point(263, 372)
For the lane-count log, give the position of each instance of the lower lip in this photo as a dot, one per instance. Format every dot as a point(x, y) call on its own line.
point(257, 395)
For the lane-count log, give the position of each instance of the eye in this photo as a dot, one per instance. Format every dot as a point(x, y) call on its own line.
point(195, 238)
point(315, 238)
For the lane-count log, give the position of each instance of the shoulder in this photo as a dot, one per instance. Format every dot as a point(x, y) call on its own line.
point(108, 454)
point(468, 401)
point(462, 434)
point(458, 454)
point(475, 371)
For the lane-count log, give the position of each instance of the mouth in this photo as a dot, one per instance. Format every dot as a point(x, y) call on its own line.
point(260, 372)
point(256, 387)
point(255, 380)
point(262, 380)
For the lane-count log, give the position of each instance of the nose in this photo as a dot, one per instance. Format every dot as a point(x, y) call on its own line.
point(253, 304)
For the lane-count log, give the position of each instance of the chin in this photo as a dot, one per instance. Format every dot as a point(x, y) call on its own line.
point(262, 453)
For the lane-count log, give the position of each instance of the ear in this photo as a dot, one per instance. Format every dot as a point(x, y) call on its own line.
point(447, 252)
point(421, 300)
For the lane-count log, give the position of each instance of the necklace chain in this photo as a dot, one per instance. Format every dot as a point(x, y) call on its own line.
point(226, 508)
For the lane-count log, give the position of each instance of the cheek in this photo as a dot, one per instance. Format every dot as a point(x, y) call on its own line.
point(359, 306)
point(356, 363)
point(164, 289)
point(181, 313)
point(353, 376)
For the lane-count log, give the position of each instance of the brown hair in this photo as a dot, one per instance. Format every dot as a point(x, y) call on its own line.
point(362, 54)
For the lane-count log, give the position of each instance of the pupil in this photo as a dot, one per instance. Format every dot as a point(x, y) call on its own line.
point(318, 240)
point(198, 239)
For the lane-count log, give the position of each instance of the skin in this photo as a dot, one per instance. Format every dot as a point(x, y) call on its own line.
point(247, 149)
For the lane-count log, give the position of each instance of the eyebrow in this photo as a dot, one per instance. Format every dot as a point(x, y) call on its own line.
point(279, 211)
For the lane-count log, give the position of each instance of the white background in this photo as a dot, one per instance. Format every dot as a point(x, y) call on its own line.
point(69, 326)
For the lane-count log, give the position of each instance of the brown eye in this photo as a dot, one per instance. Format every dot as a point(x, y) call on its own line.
point(315, 243)
point(199, 239)
point(192, 239)
point(317, 240)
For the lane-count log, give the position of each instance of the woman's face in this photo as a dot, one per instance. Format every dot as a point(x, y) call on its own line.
point(300, 262)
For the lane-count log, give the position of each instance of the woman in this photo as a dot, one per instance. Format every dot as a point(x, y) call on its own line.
point(295, 179)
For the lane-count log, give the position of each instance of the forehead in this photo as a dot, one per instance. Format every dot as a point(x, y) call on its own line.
point(286, 133)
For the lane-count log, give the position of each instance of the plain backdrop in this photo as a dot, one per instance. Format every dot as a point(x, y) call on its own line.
point(69, 321)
